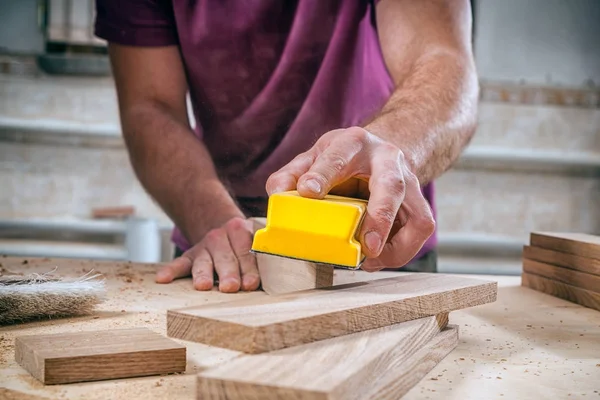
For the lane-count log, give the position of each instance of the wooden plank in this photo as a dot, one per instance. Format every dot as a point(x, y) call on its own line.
point(98, 355)
point(337, 368)
point(274, 322)
point(579, 244)
point(572, 261)
point(539, 95)
point(583, 297)
point(561, 274)
point(283, 275)
point(113, 212)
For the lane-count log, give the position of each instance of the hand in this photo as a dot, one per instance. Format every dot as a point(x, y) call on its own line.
point(354, 162)
point(226, 251)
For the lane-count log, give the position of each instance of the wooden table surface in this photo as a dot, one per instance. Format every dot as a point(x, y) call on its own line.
point(525, 345)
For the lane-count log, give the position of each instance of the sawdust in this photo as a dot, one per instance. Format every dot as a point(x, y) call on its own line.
point(6, 348)
point(9, 394)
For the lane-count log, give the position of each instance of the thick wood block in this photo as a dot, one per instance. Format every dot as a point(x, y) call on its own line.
point(384, 363)
point(572, 261)
point(579, 244)
point(565, 275)
point(583, 297)
point(274, 322)
point(92, 356)
point(282, 275)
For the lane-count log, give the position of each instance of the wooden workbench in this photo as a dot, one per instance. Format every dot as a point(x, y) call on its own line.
point(525, 345)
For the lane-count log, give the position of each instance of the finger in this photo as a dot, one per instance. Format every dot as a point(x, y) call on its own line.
point(239, 232)
point(178, 268)
point(387, 188)
point(287, 177)
point(202, 270)
point(334, 165)
point(224, 260)
point(411, 237)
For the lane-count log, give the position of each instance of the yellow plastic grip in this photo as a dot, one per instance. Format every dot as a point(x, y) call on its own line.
point(314, 230)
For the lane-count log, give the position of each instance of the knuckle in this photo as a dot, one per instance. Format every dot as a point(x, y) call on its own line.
point(428, 225)
point(236, 223)
point(390, 148)
point(358, 134)
point(390, 178)
point(213, 235)
point(393, 182)
point(335, 162)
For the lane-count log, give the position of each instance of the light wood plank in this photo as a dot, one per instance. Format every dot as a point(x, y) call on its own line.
point(377, 364)
point(98, 355)
point(583, 297)
point(579, 244)
point(283, 275)
point(561, 274)
point(274, 322)
point(572, 261)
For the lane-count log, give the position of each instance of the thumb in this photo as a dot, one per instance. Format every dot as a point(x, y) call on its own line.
point(178, 268)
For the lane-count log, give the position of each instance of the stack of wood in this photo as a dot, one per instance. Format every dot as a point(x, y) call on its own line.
point(565, 265)
point(366, 340)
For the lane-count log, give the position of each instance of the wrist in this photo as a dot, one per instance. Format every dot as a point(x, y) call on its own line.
point(212, 209)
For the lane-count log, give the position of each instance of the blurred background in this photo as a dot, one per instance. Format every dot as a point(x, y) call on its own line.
point(534, 164)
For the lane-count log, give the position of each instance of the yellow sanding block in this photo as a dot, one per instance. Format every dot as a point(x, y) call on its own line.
point(317, 230)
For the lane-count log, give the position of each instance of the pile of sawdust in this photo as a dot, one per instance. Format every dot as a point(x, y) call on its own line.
point(42, 297)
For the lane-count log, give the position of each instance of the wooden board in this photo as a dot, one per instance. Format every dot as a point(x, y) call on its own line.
point(113, 212)
point(270, 323)
point(282, 275)
point(580, 244)
point(572, 261)
point(98, 355)
point(376, 364)
point(503, 339)
point(583, 297)
point(561, 274)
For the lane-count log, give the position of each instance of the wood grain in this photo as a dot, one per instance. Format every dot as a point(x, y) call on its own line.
point(583, 297)
point(269, 323)
point(561, 274)
point(283, 275)
point(98, 355)
point(579, 244)
point(572, 261)
point(378, 364)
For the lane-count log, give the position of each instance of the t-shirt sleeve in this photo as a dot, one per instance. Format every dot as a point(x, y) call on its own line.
point(136, 22)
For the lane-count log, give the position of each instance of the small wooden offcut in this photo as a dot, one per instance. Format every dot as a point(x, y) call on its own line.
point(98, 355)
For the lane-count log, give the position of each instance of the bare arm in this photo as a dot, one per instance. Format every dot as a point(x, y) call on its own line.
point(418, 134)
point(431, 116)
point(170, 162)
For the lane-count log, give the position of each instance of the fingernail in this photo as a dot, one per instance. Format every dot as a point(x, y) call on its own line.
point(313, 185)
point(373, 241)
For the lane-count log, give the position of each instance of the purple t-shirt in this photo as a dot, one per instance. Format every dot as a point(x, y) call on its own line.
point(266, 77)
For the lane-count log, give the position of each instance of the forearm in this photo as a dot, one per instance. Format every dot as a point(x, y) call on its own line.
point(177, 170)
point(431, 116)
